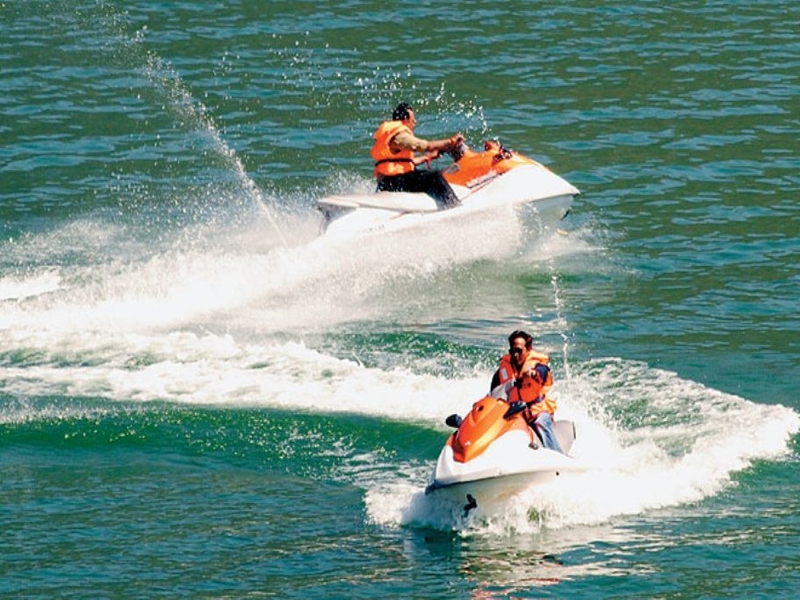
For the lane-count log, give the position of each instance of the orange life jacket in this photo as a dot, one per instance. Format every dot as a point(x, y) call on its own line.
point(530, 388)
point(388, 163)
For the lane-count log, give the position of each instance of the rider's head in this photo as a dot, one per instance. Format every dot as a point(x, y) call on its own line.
point(521, 334)
point(402, 112)
point(519, 344)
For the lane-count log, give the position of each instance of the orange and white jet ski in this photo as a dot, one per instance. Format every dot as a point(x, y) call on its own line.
point(494, 455)
point(484, 181)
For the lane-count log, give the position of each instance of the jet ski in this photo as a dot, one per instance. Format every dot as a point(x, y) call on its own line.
point(484, 181)
point(494, 455)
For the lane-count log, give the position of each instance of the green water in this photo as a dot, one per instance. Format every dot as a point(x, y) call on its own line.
point(199, 400)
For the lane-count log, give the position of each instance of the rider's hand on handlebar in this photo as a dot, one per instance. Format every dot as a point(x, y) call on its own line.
point(456, 141)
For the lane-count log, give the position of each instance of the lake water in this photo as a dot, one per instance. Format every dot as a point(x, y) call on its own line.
point(200, 399)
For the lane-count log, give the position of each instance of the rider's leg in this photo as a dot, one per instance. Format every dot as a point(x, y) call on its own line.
point(543, 425)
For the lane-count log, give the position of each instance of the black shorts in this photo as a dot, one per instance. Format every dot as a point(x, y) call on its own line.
point(432, 183)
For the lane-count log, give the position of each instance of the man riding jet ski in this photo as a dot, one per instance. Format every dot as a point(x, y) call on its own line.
point(479, 184)
point(396, 160)
point(523, 379)
point(508, 441)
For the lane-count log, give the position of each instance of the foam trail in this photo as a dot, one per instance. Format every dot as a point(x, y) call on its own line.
point(167, 329)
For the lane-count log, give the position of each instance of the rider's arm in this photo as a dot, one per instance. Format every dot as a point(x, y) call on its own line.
point(405, 140)
point(408, 141)
point(541, 373)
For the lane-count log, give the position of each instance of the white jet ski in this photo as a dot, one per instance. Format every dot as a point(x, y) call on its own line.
point(483, 181)
point(494, 455)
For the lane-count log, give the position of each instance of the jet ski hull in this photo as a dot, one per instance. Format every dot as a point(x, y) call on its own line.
point(483, 183)
point(494, 456)
point(491, 496)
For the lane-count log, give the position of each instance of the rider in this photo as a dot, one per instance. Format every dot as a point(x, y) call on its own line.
point(396, 160)
point(524, 375)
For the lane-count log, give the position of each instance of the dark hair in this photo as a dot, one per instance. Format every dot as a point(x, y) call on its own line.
point(521, 334)
point(401, 112)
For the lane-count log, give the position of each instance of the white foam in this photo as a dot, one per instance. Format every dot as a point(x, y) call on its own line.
point(205, 320)
point(20, 287)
